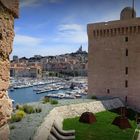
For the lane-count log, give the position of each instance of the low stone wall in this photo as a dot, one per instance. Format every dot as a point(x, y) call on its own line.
point(58, 114)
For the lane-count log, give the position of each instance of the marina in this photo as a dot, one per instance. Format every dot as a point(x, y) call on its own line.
point(27, 82)
point(32, 91)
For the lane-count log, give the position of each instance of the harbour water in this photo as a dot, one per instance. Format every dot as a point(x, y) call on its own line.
point(27, 95)
point(25, 90)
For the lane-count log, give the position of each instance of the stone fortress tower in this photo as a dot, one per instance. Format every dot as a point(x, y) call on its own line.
point(8, 12)
point(114, 58)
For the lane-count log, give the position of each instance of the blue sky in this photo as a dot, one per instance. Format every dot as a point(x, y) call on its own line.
point(53, 27)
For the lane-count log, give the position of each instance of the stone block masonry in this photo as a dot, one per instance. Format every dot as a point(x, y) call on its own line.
point(8, 12)
point(114, 58)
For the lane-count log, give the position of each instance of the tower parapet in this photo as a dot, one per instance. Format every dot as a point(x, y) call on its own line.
point(127, 13)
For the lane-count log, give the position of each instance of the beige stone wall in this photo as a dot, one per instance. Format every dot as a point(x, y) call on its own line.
point(6, 43)
point(108, 61)
point(4, 131)
point(12, 6)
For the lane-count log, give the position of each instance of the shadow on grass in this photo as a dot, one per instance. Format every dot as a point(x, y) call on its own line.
point(101, 130)
point(131, 114)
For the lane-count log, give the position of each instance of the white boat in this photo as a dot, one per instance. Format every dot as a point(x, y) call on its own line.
point(52, 95)
point(69, 96)
point(25, 85)
point(37, 89)
point(13, 101)
point(61, 96)
point(44, 90)
point(78, 96)
point(11, 89)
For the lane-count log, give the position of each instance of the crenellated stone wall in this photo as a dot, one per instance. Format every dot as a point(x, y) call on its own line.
point(6, 43)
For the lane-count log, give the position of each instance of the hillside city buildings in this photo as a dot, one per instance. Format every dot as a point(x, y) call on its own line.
point(114, 58)
point(74, 64)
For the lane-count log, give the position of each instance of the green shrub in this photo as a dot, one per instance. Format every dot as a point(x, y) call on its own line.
point(38, 110)
point(21, 108)
point(46, 100)
point(17, 106)
point(136, 135)
point(18, 116)
point(93, 97)
point(53, 102)
point(15, 118)
point(21, 113)
point(12, 127)
point(28, 109)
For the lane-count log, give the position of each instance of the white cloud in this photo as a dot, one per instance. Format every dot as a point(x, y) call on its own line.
point(29, 46)
point(55, 1)
point(67, 39)
point(71, 33)
point(26, 45)
point(27, 3)
point(70, 27)
point(23, 40)
point(17, 29)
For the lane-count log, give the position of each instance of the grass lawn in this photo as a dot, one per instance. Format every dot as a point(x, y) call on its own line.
point(101, 130)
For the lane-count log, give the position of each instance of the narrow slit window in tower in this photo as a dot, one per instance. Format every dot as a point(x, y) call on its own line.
point(126, 52)
point(126, 70)
point(126, 39)
point(126, 83)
